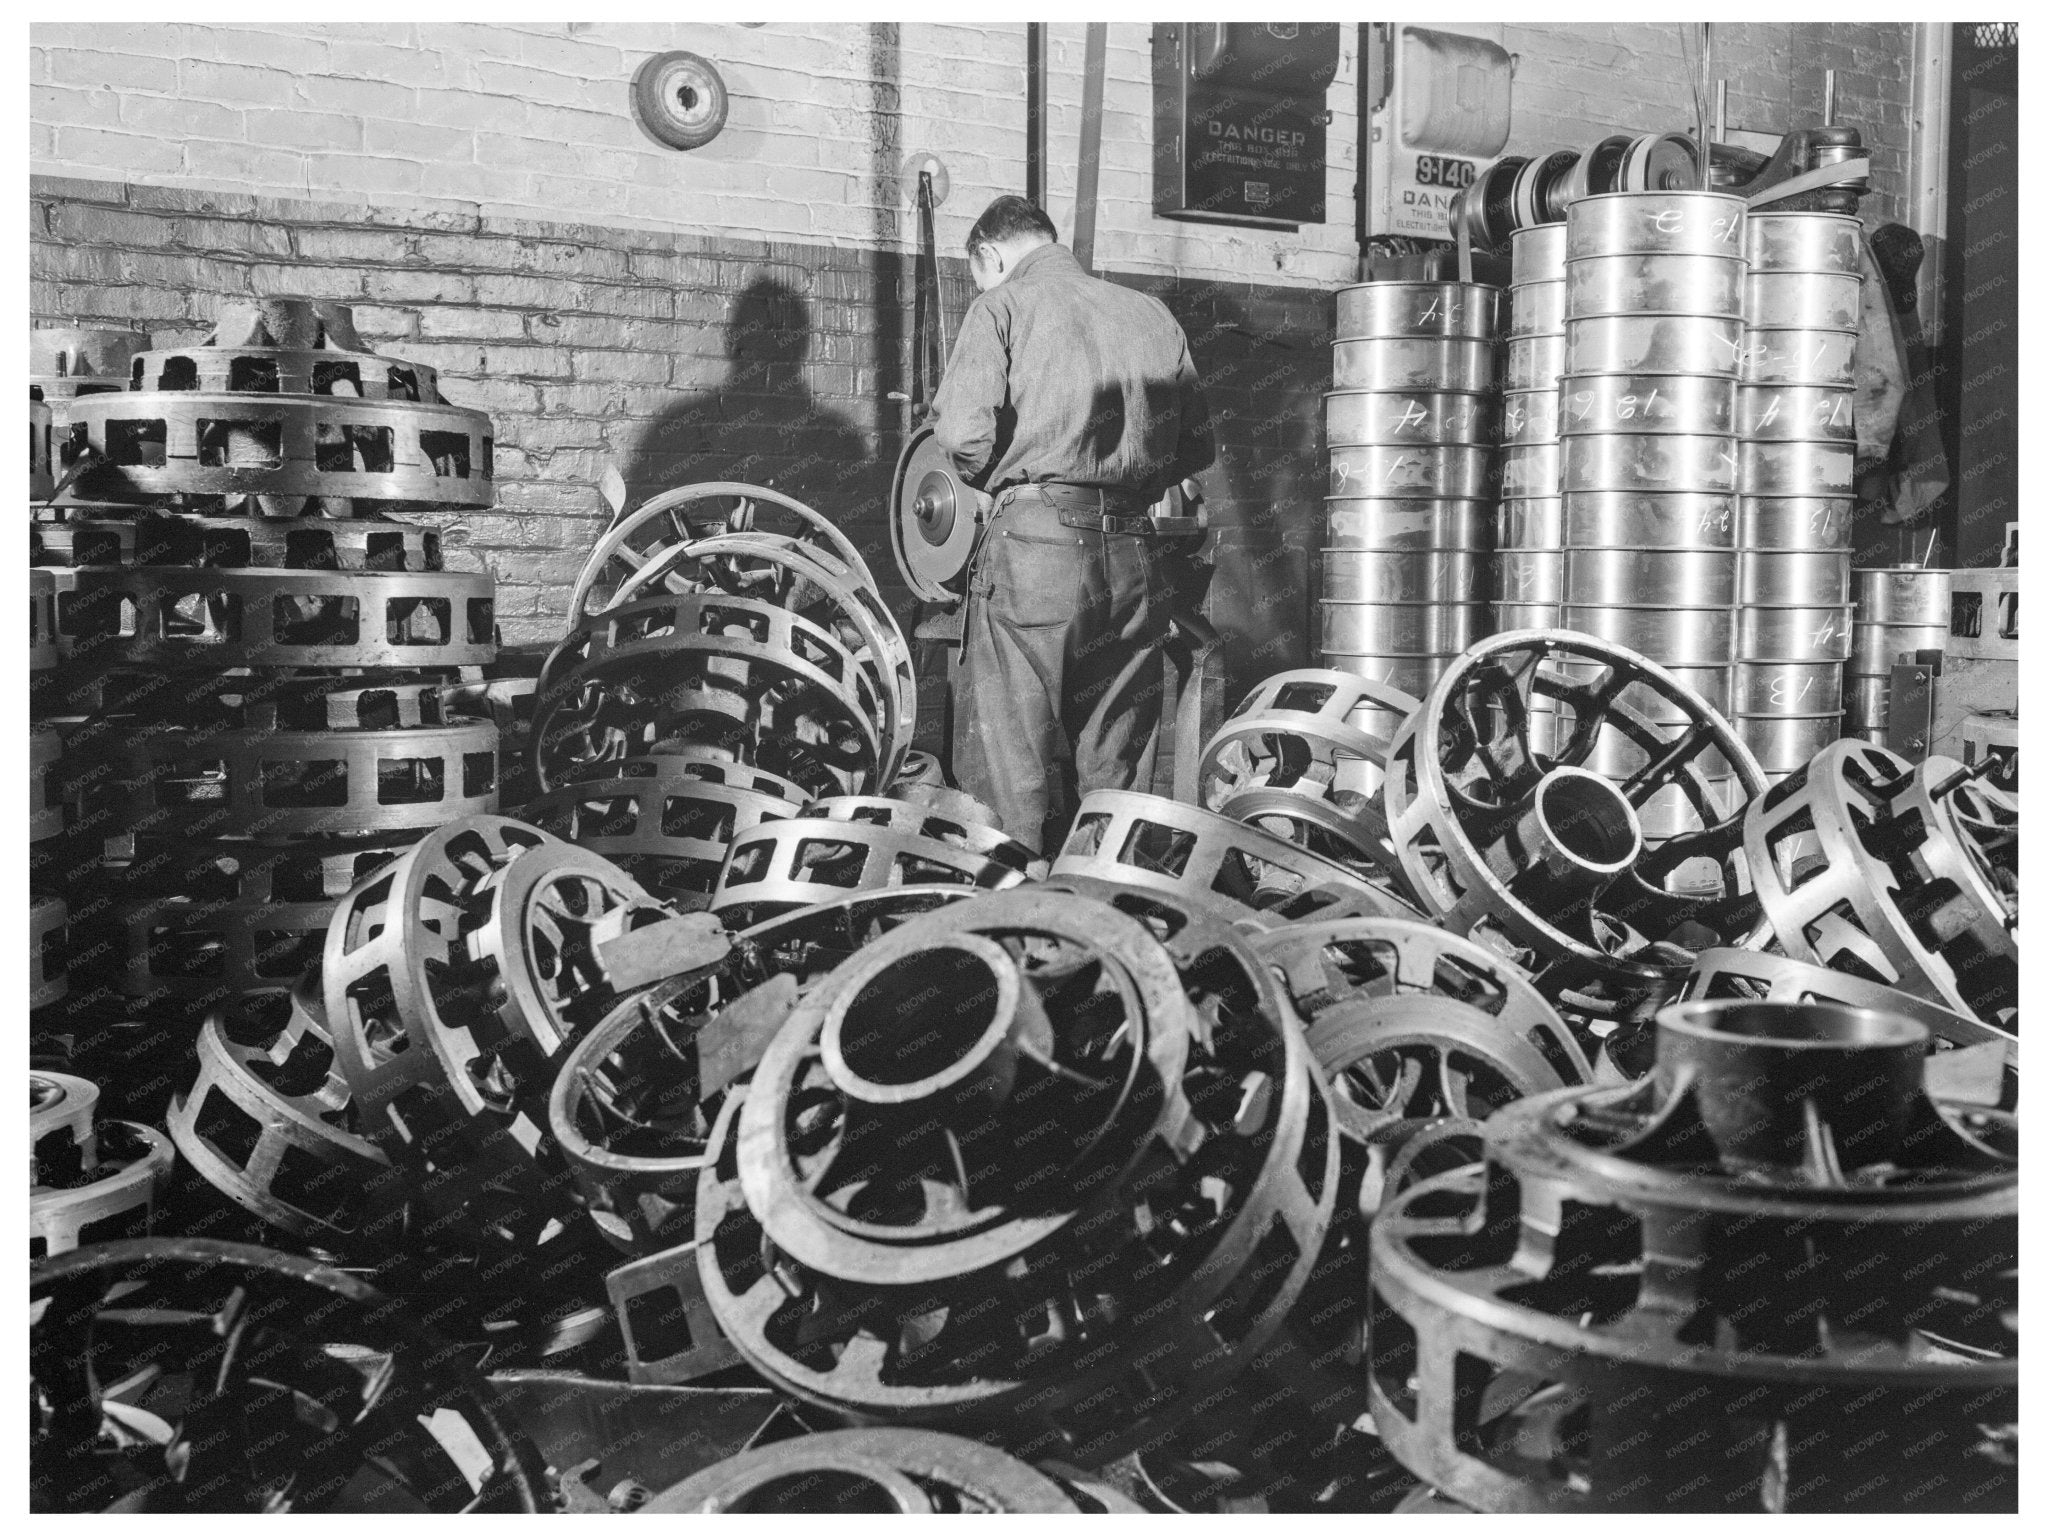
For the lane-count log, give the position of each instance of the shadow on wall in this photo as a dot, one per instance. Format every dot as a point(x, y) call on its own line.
point(761, 423)
point(1265, 368)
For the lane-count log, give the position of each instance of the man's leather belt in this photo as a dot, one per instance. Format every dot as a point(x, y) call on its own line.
point(1088, 507)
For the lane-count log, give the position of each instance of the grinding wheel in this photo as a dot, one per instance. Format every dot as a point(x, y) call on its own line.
point(931, 520)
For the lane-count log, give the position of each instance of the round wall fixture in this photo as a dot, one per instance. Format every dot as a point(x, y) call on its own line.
point(680, 99)
point(924, 160)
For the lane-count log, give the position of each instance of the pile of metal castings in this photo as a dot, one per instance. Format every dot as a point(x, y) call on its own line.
point(246, 666)
point(734, 618)
point(1775, 1275)
point(730, 667)
point(1335, 1144)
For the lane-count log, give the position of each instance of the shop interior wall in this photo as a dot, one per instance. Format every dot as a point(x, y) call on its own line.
point(482, 194)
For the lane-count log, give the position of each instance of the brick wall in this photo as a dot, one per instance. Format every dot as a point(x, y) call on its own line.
point(677, 358)
point(482, 195)
point(1577, 82)
point(531, 120)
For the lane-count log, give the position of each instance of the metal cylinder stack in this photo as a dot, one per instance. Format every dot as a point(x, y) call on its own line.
point(1646, 421)
point(1900, 610)
point(254, 659)
point(1796, 411)
point(1528, 559)
point(1410, 430)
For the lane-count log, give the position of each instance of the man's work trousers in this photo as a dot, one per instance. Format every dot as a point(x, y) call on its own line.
point(1062, 671)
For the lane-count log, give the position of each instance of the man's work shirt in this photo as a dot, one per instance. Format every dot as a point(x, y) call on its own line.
point(1060, 376)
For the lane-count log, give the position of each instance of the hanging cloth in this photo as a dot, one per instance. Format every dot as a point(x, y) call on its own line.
point(928, 339)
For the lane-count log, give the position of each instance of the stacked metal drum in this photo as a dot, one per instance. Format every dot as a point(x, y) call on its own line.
point(1410, 429)
point(1528, 561)
point(1796, 410)
point(1646, 421)
point(255, 659)
point(1900, 610)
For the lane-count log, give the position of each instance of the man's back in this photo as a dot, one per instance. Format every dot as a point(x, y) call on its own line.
point(1064, 377)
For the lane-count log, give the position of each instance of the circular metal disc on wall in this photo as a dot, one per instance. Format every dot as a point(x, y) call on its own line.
point(925, 160)
point(931, 520)
point(681, 99)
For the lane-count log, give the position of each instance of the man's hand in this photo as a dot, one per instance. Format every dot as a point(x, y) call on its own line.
point(984, 504)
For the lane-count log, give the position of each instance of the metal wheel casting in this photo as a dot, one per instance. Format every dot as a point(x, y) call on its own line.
point(1901, 894)
point(1410, 1022)
point(938, 1281)
point(693, 512)
point(803, 579)
point(1303, 758)
point(1776, 1245)
point(452, 978)
point(1507, 833)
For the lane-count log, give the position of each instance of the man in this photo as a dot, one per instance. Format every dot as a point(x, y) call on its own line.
point(1071, 404)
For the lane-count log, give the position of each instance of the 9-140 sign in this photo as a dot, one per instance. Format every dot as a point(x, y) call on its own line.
point(1442, 171)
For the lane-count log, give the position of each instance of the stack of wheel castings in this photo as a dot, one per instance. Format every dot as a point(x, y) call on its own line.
point(729, 717)
point(1796, 411)
point(1646, 413)
point(251, 653)
point(1528, 561)
point(1900, 611)
point(1162, 1172)
point(1410, 428)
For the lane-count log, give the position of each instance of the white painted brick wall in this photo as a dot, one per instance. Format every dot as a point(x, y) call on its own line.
point(532, 120)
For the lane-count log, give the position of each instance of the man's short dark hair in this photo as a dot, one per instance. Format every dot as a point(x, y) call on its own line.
point(1008, 217)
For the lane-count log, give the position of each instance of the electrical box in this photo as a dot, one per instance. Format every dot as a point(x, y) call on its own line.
point(1240, 128)
point(1443, 100)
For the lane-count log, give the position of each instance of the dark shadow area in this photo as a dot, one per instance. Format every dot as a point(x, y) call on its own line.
point(1264, 360)
point(762, 423)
